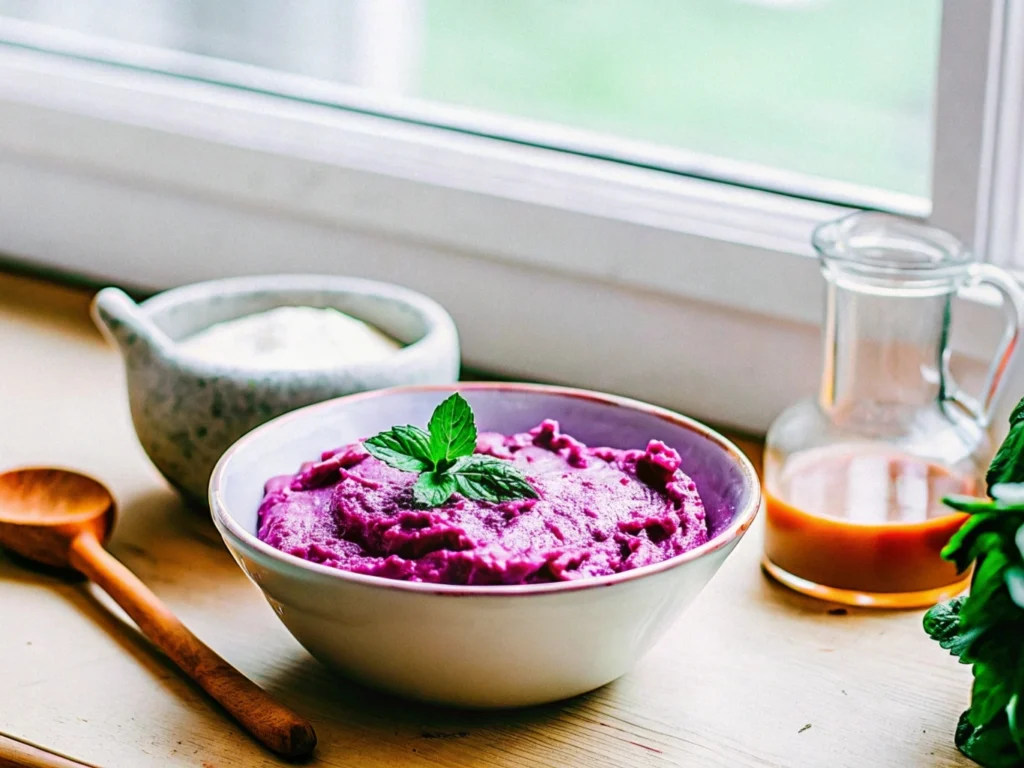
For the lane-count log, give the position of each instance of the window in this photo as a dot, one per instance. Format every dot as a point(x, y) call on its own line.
point(651, 166)
point(828, 98)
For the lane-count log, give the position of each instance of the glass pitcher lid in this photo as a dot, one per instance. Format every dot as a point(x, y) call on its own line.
point(886, 247)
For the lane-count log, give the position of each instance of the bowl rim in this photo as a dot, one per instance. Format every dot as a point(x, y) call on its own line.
point(439, 326)
point(741, 522)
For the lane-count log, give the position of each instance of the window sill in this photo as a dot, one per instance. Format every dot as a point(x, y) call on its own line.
point(692, 294)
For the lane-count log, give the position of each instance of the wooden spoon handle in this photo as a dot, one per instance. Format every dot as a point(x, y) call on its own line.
point(15, 753)
point(271, 723)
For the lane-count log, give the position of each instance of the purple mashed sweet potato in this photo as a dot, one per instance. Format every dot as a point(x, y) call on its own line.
point(600, 511)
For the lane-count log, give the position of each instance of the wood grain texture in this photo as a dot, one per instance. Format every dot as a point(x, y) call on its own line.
point(752, 675)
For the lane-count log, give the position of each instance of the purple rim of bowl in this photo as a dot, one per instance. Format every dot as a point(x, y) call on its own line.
point(742, 521)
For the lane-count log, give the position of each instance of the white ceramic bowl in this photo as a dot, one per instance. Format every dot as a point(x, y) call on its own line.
point(504, 646)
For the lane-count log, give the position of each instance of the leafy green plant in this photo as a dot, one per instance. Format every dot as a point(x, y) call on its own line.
point(986, 628)
point(443, 457)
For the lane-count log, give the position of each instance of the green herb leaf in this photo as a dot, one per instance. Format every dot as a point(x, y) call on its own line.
point(990, 694)
point(1015, 584)
point(1008, 464)
point(452, 431)
point(990, 745)
point(986, 628)
point(1008, 495)
point(980, 644)
point(486, 478)
point(942, 621)
point(978, 534)
point(433, 489)
point(989, 601)
point(405, 448)
point(1013, 720)
point(972, 505)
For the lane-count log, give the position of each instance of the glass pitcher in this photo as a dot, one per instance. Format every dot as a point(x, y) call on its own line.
point(854, 480)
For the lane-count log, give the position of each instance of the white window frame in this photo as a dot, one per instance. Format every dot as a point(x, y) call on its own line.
point(697, 294)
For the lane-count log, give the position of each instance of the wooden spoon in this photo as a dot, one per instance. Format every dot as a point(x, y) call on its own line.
point(15, 753)
point(61, 518)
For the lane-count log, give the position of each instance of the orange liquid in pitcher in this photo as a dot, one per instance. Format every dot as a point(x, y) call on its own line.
point(864, 527)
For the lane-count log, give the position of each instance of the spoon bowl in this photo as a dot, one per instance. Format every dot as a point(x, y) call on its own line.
point(62, 518)
point(43, 510)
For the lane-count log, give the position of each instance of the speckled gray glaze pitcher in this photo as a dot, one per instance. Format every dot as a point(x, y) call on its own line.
point(188, 411)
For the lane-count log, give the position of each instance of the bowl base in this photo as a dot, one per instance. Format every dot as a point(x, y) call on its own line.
point(491, 700)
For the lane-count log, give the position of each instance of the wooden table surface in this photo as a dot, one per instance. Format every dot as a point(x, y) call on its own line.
point(752, 675)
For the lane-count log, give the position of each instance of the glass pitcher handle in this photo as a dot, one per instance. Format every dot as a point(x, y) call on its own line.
point(1013, 307)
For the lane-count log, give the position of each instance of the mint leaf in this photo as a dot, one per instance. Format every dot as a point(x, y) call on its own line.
point(989, 600)
point(452, 431)
point(990, 694)
point(1017, 415)
point(486, 478)
point(433, 489)
point(1008, 495)
point(1008, 464)
point(405, 448)
point(972, 505)
point(986, 628)
point(1013, 718)
point(980, 533)
point(972, 645)
point(1015, 585)
point(444, 460)
point(990, 745)
point(942, 621)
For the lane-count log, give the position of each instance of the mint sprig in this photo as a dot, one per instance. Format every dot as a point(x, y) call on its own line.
point(443, 456)
point(986, 628)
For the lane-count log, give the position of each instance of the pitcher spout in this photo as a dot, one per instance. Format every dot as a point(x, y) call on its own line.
point(123, 322)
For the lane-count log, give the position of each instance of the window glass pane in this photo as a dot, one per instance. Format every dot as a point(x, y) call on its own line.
point(837, 89)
